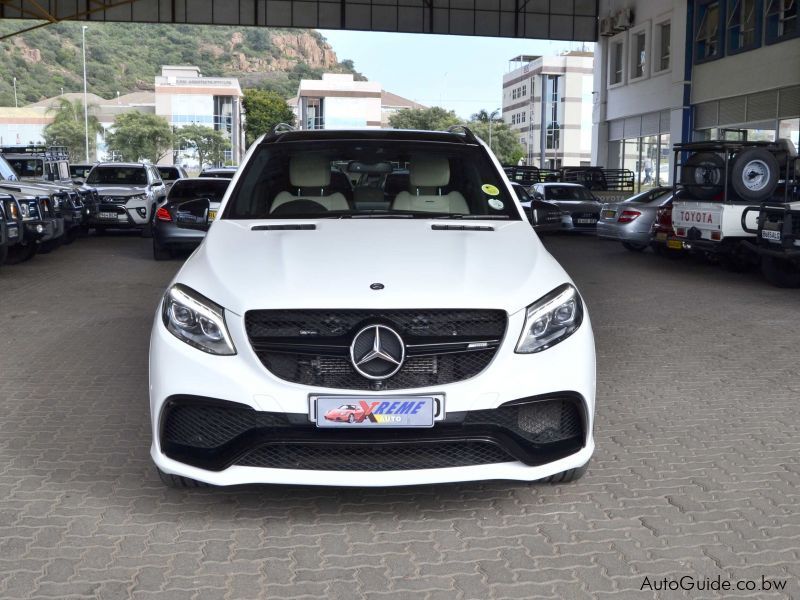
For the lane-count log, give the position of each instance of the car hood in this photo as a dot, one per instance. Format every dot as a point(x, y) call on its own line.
point(118, 190)
point(334, 265)
point(576, 205)
point(24, 188)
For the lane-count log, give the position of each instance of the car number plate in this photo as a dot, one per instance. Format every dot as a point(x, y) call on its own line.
point(586, 221)
point(108, 215)
point(212, 214)
point(609, 214)
point(769, 234)
point(661, 236)
point(361, 412)
point(675, 244)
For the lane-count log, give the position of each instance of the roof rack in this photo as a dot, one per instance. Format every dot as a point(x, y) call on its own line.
point(38, 150)
point(466, 130)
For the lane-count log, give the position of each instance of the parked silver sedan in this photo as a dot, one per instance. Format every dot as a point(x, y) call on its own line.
point(631, 221)
point(581, 206)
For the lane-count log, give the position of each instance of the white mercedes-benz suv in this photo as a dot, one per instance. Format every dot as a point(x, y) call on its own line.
point(370, 308)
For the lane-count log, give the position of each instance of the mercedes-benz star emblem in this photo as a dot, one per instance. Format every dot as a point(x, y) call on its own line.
point(377, 352)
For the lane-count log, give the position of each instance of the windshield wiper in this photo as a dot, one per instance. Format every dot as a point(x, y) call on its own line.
point(476, 217)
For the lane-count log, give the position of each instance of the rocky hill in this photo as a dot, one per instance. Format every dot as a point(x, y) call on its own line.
point(126, 57)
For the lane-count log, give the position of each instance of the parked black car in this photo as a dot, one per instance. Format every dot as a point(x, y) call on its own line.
point(167, 236)
point(544, 216)
point(221, 172)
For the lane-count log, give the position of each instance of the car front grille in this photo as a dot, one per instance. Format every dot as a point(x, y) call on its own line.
point(114, 199)
point(389, 457)
point(312, 347)
point(216, 434)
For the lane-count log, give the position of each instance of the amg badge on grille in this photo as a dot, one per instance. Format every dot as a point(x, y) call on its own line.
point(377, 352)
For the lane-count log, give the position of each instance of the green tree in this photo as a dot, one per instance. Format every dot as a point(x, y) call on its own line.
point(263, 110)
point(208, 143)
point(68, 129)
point(435, 118)
point(504, 142)
point(137, 136)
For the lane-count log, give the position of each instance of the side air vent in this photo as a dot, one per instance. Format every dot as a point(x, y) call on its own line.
point(288, 227)
point(462, 228)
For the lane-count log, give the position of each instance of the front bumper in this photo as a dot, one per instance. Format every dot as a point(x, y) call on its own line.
point(182, 374)
point(123, 216)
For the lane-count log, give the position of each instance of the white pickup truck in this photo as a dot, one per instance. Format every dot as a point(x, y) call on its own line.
point(719, 181)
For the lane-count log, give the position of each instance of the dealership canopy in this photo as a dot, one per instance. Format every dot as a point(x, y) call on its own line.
point(535, 19)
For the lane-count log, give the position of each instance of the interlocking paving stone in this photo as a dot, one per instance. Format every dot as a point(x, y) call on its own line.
point(696, 470)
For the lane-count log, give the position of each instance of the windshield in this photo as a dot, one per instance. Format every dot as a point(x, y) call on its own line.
point(118, 175)
point(7, 173)
point(27, 167)
point(567, 192)
point(168, 173)
point(189, 189)
point(370, 178)
point(650, 196)
point(79, 171)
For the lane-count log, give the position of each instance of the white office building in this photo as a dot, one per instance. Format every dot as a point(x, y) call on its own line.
point(547, 102)
point(338, 101)
point(692, 70)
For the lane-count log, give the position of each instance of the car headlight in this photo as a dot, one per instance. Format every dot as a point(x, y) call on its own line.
point(551, 319)
point(196, 320)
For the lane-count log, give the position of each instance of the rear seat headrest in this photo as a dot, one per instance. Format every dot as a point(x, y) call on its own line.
point(429, 171)
point(309, 171)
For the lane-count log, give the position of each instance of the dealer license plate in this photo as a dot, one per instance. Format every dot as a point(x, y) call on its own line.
point(769, 234)
point(586, 221)
point(361, 412)
point(108, 215)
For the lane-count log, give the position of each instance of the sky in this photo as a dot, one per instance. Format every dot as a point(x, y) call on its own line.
point(460, 73)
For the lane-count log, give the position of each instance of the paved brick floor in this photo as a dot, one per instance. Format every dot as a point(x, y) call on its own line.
point(696, 471)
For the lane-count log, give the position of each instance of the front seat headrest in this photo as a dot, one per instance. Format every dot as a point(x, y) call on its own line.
point(429, 171)
point(309, 171)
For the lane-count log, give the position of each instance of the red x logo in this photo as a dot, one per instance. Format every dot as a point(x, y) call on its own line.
point(368, 408)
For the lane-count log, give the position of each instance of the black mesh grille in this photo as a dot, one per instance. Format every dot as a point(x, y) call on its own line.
point(213, 426)
point(391, 457)
point(542, 422)
point(337, 371)
point(215, 435)
point(321, 339)
point(408, 323)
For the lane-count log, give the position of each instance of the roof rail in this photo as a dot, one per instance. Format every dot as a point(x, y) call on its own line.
point(466, 130)
point(39, 150)
point(282, 128)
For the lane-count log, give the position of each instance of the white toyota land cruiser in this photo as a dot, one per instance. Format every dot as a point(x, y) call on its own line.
point(720, 182)
point(370, 308)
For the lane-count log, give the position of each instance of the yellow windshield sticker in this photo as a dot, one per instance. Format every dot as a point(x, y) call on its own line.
point(489, 189)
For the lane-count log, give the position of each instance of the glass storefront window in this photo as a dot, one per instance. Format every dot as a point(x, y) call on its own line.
point(648, 159)
point(790, 129)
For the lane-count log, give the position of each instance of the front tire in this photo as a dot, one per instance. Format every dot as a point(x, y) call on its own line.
point(779, 272)
point(634, 247)
point(21, 253)
point(3, 254)
point(159, 252)
point(178, 482)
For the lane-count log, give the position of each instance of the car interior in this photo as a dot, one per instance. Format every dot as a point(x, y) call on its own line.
point(306, 183)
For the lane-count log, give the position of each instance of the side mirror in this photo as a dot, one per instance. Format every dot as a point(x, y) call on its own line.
point(78, 181)
point(194, 214)
point(538, 196)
